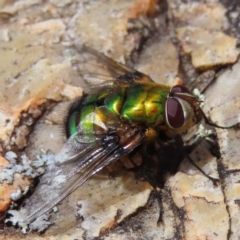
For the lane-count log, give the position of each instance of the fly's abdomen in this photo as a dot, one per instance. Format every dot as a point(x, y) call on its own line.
point(78, 117)
point(82, 115)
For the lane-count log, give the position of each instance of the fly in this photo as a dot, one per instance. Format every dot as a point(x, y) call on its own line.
point(122, 111)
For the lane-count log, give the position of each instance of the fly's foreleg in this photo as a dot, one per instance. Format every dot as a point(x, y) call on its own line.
point(202, 135)
point(214, 180)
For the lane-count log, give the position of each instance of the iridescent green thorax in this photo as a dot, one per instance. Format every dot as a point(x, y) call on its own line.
point(134, 104)
point(144, 103)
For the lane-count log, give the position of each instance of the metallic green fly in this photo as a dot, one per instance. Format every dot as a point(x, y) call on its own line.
point(122, 110)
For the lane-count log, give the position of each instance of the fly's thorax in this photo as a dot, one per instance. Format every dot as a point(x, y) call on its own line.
point(139, 103)
point(182, 110)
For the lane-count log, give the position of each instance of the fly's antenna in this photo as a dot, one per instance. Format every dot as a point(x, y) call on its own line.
point(210, 123)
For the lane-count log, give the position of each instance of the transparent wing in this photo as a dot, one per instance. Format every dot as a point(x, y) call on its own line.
point(81, 157)
point(98, 70)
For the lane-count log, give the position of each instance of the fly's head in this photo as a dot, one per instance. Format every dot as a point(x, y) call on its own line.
point(182, 110)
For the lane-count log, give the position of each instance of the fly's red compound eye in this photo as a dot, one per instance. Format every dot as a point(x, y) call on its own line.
point(179, 89)
point(174, 113)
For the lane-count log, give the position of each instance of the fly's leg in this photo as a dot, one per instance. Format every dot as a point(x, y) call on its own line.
point(160, 206)
point(131, 156)
point(214, 180)
point(200, 136)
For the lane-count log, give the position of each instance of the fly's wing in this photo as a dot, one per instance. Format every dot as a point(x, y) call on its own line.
point(98, 70)
point(81, 157)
